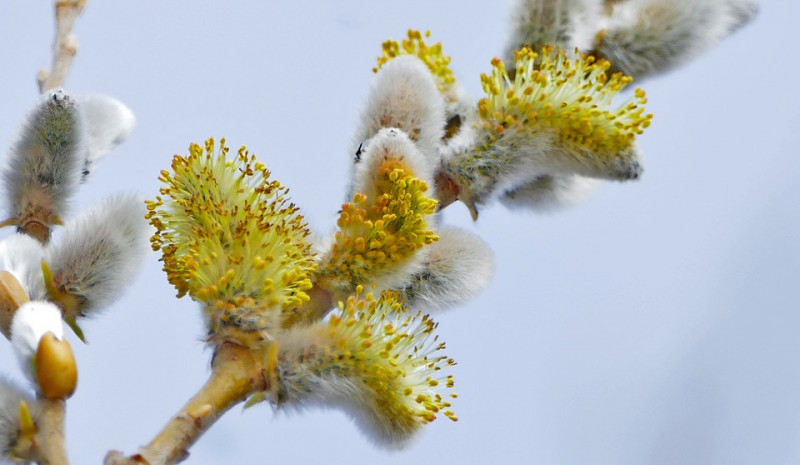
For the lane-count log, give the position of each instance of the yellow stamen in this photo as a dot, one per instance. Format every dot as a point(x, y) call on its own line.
point(227, 233)
point(431, 55)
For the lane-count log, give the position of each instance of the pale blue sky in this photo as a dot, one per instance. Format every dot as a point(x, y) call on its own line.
point(657, 323)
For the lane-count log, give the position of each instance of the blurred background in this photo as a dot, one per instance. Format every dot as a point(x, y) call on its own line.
point(656, 323)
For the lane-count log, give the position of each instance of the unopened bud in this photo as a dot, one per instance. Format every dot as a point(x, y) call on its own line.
point(12, 295)
point(26, 425)
point(56, 370)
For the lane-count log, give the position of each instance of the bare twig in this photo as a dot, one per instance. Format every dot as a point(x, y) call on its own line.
point(49, 446)
point(65, 46)
point(236, 373)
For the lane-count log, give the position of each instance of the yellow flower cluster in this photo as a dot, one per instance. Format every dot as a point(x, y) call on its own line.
point(394, 354)
point(385, 359)
point(432, 56)
point(229, 236)
point(381, 232)
point(572, 96)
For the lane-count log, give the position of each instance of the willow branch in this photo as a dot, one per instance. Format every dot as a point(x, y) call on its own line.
point(236, 373)
point(49, 448)
point(65, 46)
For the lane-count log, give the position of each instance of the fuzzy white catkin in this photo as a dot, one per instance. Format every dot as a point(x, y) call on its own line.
point(548, 193)
point(646, 37)
point(109, 123)
point(31, 321)
point(405, 96)
point(100, 251)
point(21, 255)
point(11, 396)
point(456, 269)
point(43, 170)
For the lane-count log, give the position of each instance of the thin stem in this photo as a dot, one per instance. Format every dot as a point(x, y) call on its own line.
point(49, 441)
point(65, 46)
point(236, 373)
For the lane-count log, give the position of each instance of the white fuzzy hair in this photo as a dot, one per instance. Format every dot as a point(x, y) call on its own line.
point(109, 123)
point(43, 169)
point(548, 193)
point(741, 12)
point(100, 251)
point(31, 321)
point(390, 144)
point(456, 269)
point(404, 96)
point(646, 37)
point(11, 396)
point(303, 387)
point(21, 255)
point(565, 23)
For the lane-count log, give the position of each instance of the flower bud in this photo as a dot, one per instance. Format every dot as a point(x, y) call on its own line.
point(12, 296)
point(56, 370)
point(43, 170)
point(456, 268)
point(405, 96)
point(97, 256)
point(109, 122)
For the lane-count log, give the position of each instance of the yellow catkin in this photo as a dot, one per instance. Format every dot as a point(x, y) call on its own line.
point(400, 373)
point(376, 235)
point(229, 237)
point(571, 95)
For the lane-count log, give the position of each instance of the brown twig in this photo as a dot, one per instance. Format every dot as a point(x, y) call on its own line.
point(236, 373)
point(49, 446)
point(65, 46)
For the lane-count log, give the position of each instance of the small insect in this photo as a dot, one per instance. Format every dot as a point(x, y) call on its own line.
point(362, 147)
